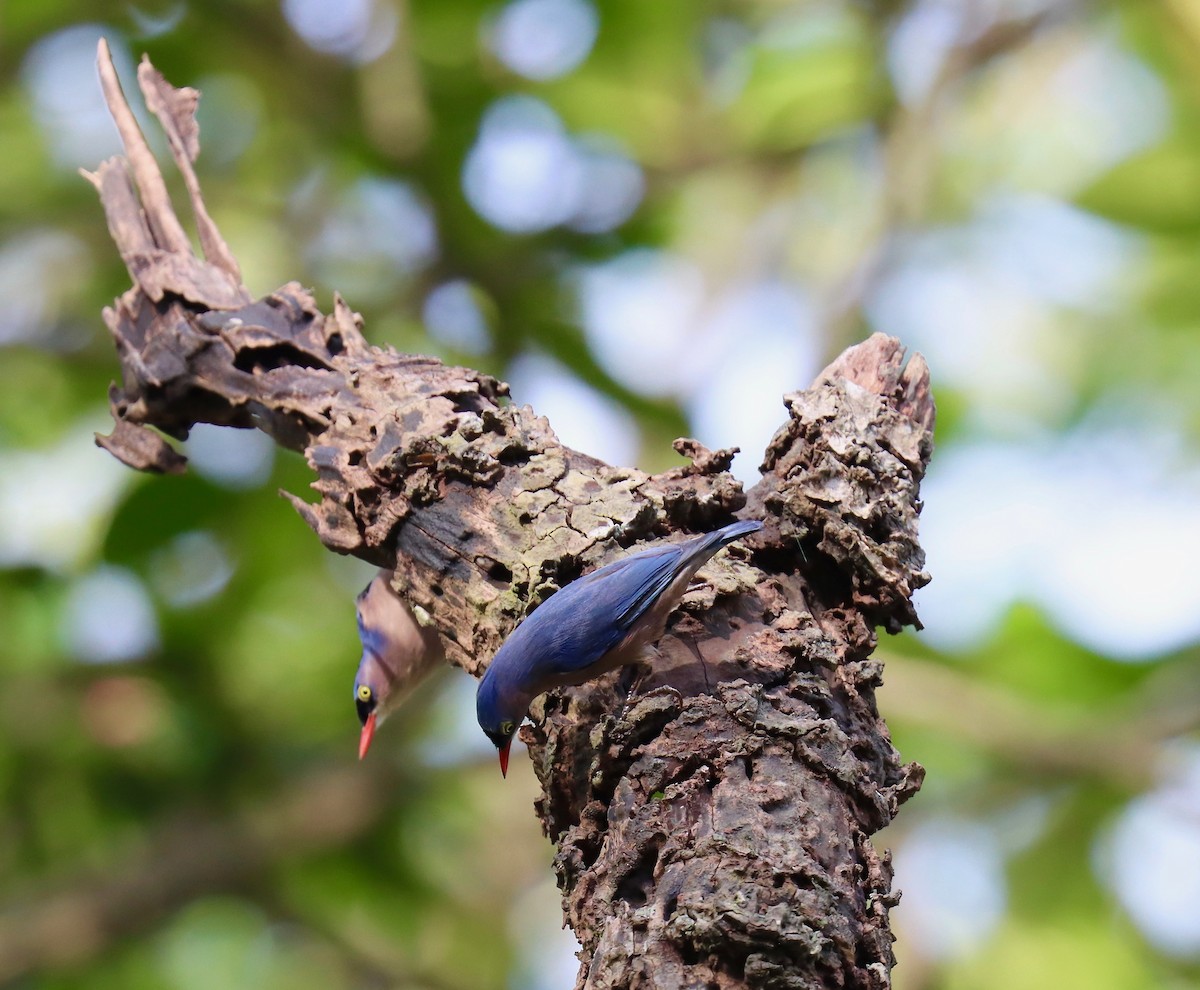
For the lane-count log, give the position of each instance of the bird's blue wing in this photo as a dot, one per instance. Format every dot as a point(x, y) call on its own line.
point(663, 565)
point(578, 625)
point(646, 587)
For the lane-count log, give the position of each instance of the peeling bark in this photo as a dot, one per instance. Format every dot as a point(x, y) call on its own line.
point(715, 830)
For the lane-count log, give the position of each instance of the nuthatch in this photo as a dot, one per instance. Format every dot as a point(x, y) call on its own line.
point(591, 626)
point(397, 654)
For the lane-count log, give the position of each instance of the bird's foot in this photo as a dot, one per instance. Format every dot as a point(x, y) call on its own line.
point(630, 682)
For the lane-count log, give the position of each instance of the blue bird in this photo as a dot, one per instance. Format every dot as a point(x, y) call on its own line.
point(595, 624)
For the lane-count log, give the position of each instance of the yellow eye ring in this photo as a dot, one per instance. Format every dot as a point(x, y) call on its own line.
point(364, 693)
point(507, 728)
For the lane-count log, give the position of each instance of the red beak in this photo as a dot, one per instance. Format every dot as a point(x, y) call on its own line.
point(368, 730)
point(504, 757)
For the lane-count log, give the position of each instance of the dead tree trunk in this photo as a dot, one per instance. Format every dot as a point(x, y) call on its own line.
point(717, 833)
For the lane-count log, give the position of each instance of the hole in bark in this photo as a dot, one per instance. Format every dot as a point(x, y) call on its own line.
point(689, 955)
point(784, 560)
point(748, 763)
point(498, 572)
point(253, 359)
point(632, 892)
point(513, 455)
point(634, 885)
point(589, 852)
point(471, 402)
point(437, 590)
point(864, 751)
point(569, 568)
point(355, 458)
point(882, 526)
point(335, 343)
point(822, 705)
point(830, 581)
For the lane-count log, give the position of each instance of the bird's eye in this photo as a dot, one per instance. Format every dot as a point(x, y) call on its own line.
point(507, 728)
point(364, 692)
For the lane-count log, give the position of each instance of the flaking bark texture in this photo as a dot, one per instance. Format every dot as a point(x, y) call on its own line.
point(713, 830)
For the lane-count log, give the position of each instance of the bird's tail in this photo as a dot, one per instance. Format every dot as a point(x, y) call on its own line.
point(708, 544)
point(675, 572)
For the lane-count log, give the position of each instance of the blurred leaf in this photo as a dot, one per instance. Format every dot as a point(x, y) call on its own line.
point(1158, 190)
point(793, 97)
point(1068, 952)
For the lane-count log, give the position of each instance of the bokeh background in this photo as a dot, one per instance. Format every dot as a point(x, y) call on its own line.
point(651, 217)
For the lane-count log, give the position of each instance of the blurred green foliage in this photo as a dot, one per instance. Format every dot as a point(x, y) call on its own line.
point(1012, 187)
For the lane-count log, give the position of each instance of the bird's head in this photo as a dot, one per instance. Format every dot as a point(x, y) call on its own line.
point(502, 737)
point(500, 713)
point(372, 687)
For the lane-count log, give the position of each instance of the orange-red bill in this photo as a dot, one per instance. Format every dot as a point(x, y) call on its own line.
point(368, 730)
point(504, 757)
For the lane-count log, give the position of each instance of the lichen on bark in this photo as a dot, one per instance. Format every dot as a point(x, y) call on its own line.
point(714, 829)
